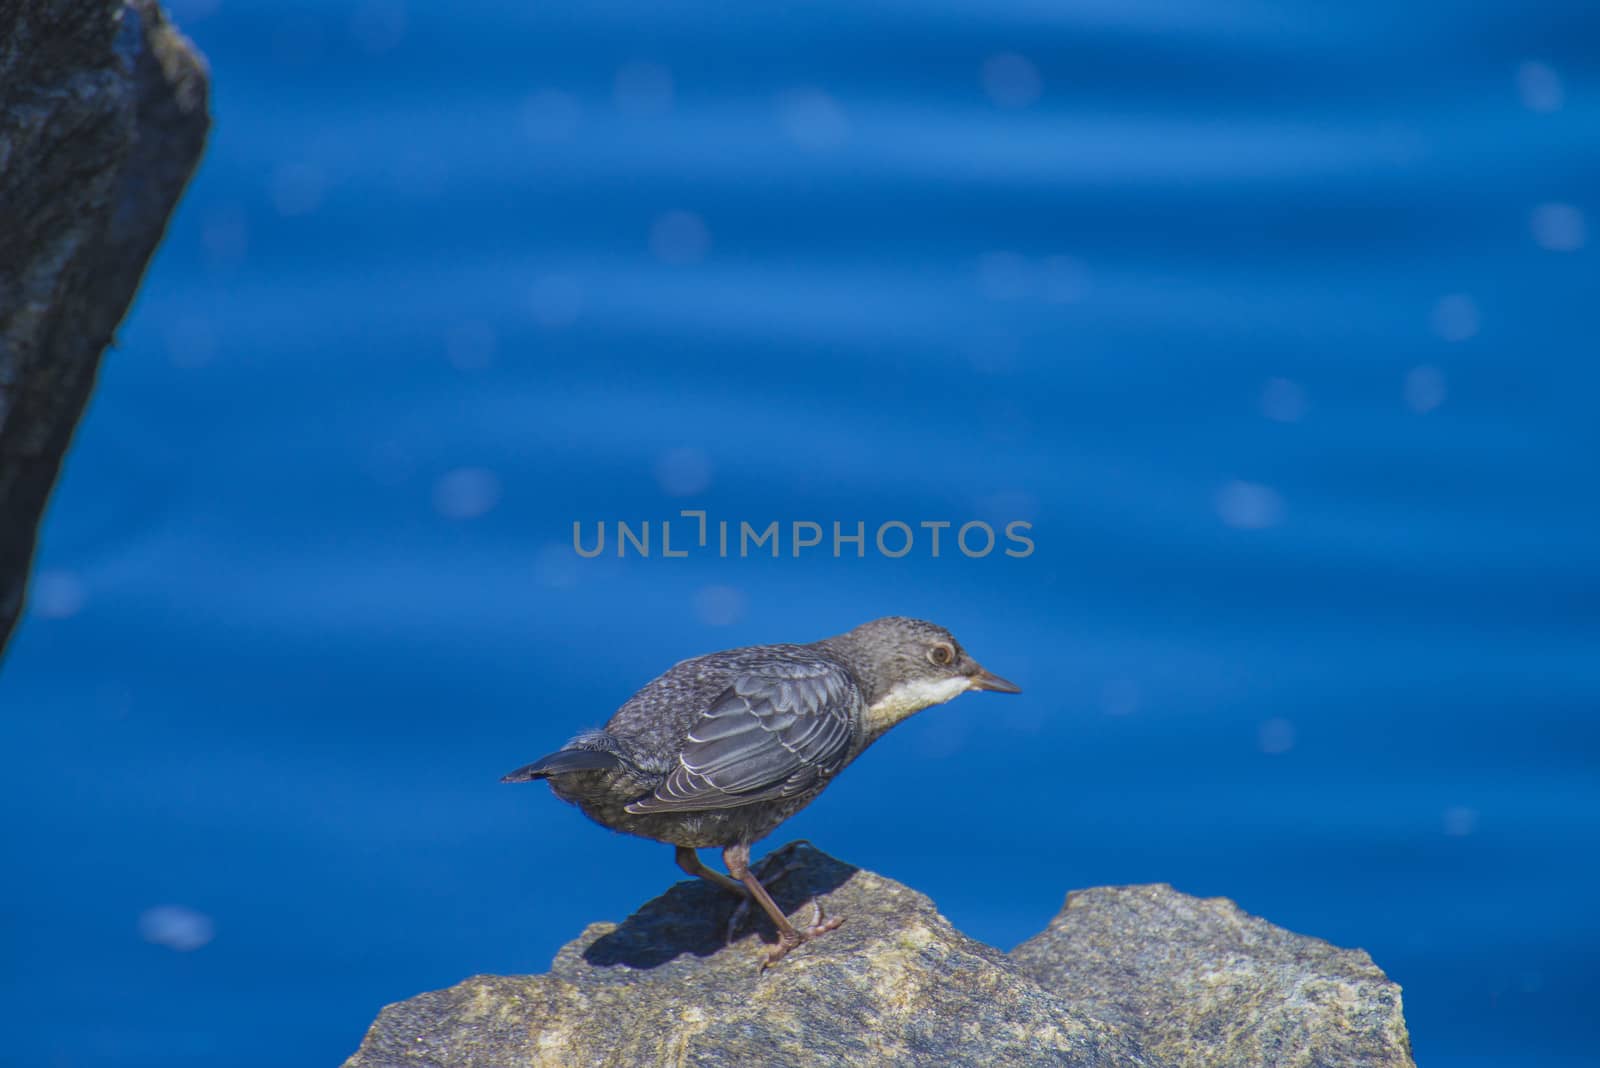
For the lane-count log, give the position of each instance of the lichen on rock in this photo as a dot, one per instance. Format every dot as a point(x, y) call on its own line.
point(1205, 983)
point(898, 985)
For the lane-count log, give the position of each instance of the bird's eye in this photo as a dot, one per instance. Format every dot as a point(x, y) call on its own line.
point(941, 654)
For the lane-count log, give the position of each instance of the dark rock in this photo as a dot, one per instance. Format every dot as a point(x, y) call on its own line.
point(895, 985)
point(102, 119)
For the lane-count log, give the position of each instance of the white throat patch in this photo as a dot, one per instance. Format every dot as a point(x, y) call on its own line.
point(909, 697)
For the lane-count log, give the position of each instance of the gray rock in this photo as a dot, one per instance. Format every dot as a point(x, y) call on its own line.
point(102, 119)
point(897, 985)
point(1203, 983)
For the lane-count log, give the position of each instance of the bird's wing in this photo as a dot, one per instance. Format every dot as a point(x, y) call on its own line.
point(771, 734)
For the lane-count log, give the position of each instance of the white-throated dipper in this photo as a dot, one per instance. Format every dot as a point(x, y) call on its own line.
point(724, 747)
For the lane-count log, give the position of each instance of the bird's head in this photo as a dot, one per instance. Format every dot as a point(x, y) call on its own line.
point(907, 665)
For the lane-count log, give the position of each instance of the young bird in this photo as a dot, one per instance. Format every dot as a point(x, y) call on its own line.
point(724, 747)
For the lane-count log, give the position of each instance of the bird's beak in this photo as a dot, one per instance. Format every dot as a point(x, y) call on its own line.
point(988, 680)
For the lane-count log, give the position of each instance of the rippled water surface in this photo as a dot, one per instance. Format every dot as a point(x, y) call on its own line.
point(1276, 322)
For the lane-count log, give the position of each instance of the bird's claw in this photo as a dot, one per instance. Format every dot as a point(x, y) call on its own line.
point(790, 940)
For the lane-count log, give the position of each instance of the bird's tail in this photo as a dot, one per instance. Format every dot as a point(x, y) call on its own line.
point(565, 760)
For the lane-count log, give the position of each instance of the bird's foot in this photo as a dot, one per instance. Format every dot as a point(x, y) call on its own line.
point(794, 937)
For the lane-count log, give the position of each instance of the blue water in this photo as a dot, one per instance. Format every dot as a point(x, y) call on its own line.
point(1276, 322)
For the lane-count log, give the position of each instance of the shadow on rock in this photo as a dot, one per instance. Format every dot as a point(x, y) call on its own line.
point(693, 916)
point(1124, 977)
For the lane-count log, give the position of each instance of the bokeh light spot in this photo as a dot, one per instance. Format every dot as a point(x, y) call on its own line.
point(813, 120)
point(466, 493)
point(1558, 227)
point(1275, 736)
point(57, 594)
point(177, 927)
point(1249, 506)
point(1539, 86)
point(1460, 821)
point(1011, 80)
point(1425, 388)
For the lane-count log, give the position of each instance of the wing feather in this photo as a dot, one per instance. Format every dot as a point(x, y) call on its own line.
point(773, 733)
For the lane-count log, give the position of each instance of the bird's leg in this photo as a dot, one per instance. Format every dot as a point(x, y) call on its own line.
point(737, 857)
point(690, 862)
point(742, 913)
